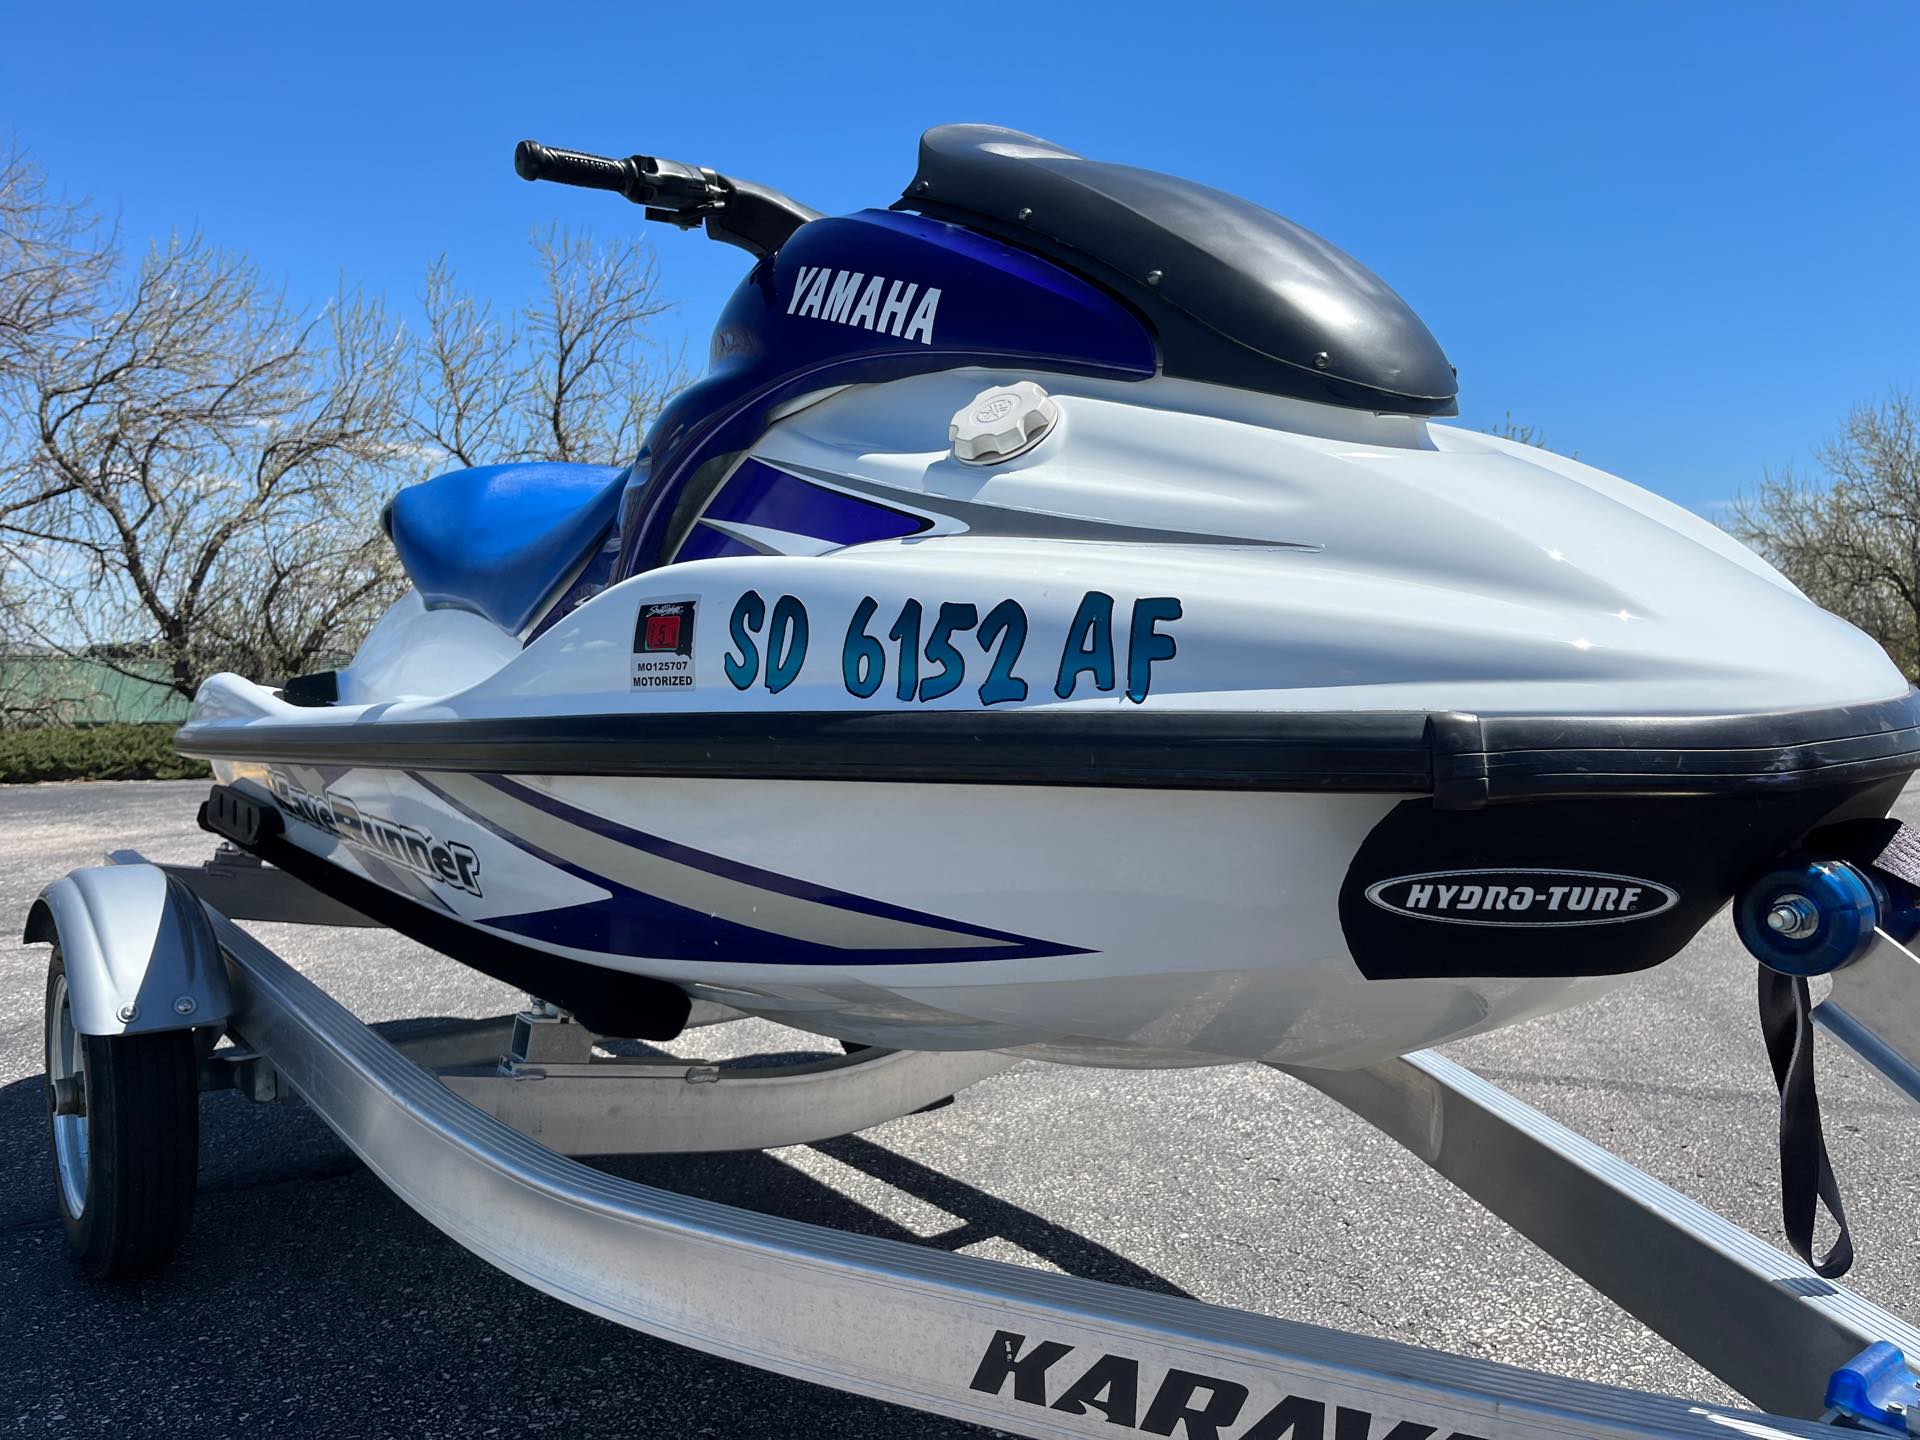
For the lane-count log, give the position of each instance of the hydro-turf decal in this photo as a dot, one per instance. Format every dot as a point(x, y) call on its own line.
point(1589, 885)
point(1532, 898)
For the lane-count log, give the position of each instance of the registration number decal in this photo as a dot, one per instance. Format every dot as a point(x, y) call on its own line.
point(921, 652)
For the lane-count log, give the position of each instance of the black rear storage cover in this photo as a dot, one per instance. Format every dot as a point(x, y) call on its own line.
point(1238, 295)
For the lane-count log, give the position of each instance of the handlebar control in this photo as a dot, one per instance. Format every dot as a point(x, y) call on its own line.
point(738, 212)
point(670, 190)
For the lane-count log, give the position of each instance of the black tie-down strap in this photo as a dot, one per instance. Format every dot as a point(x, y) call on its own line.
point(1786, 1022)
point(1806, 1174)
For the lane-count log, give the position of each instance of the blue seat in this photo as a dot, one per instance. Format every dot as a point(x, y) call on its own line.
point(500, 539)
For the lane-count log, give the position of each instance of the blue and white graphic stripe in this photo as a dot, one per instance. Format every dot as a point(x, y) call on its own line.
point(672, 901)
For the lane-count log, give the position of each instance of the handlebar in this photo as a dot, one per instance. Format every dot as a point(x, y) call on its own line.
point(736, 211)
point(534, 161)
point(644, 179)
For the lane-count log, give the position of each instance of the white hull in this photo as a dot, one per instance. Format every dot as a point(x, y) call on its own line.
point(1206, 922)
point(1260, 563)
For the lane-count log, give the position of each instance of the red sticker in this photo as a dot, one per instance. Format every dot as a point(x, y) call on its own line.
point(663, 632)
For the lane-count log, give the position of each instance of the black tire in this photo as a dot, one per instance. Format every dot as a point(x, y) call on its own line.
point(141, 1142)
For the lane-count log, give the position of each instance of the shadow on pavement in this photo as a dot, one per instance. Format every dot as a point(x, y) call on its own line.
point(309, 1299)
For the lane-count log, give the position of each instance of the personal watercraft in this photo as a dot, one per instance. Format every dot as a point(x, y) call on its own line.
point(1059, 622)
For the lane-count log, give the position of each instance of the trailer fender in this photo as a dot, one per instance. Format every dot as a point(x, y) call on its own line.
point(140, 952)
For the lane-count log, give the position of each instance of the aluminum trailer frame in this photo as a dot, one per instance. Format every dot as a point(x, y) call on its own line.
point(1025, 1351)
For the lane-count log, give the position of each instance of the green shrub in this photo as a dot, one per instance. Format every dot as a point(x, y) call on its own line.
point(94, 752)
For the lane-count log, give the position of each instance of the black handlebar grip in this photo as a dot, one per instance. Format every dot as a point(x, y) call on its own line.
point(534, 161)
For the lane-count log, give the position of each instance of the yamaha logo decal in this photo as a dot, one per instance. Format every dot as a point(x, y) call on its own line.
point(869, 302)
point(1534, 898)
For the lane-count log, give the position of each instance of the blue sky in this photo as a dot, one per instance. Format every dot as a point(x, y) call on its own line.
point(1681, 238)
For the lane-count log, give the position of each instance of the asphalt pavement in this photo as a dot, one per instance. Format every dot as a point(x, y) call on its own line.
point(309, 1300)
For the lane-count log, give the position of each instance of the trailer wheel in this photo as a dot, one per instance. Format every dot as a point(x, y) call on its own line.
point(124, 1122)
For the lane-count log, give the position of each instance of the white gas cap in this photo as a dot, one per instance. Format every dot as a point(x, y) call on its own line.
point(1000, 423)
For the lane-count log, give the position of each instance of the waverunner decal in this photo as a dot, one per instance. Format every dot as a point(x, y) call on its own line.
point(928, 664)
point(671, 901)
point(445, 862)
point(866, 302)
point(1534, 898)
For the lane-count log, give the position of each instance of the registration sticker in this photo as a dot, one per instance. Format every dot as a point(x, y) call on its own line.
point(663, 645)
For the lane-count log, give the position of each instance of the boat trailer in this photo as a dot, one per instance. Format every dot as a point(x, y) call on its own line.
point(472, 1125)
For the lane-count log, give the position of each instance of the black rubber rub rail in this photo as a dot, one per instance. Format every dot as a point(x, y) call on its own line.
point(1463, 761)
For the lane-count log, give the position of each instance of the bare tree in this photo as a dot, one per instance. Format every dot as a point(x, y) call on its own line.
point(37, 686)
point(192, 469)
point(55, 259)
point(177, 433)
point(1851, 540)
point(574, 377)
point(53, 262)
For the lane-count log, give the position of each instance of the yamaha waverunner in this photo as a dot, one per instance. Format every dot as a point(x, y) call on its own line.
point(1059, 622)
